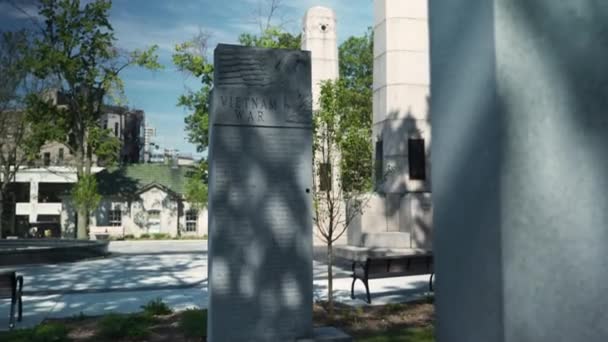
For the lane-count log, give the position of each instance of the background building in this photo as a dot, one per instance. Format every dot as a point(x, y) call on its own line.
point(39, 188)
point(142, 199)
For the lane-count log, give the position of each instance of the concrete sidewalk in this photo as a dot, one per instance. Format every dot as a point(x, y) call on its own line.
point(175, 271)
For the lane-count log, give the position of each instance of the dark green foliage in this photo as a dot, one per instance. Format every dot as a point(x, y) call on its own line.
point(84, 193)
point(356, 78)
point(193, 323)
point(21, 136)
point(45, 332)
point(190, 58)
point(76, 50)
point(156, 307)
point(160, 236)
point(144, 236)
point(196, 186)
point(273, 37)
point(115, 326)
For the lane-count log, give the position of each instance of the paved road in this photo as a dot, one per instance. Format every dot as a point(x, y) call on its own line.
point(176, 271)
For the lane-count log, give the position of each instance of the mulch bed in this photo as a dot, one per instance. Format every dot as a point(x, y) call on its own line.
point(376, 320)
point(358, 322)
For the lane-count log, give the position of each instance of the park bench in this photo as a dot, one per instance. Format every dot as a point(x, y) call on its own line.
point(11, 286)
point(373, 263)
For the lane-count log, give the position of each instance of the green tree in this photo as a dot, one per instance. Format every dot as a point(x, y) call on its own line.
point(77, 49)
point(356, 76)
point(191, 58)
point(196, 186)
point(20, 136)
point(84, 194)
point(337, 135)
point(272, 37)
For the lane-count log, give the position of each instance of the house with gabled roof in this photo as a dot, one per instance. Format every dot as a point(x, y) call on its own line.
point(143, 199)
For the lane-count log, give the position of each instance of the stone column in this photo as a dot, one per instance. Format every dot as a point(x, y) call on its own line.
point(319, 36)
point(33, 200)
point(400, 113)
point(520, 169)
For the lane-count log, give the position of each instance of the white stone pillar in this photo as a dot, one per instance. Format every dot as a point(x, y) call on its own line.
point(401, 89)
point(33, 200)
point(401, 86)
point(319, 36)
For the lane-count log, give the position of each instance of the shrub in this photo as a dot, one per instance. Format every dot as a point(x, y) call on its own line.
point(193, 323)
point(129, 237)
point(50, 332)
point(144, 236)
point(45, 332)
point(160, 236)
point(115, 326)
point(79, 317)
point(156, 307)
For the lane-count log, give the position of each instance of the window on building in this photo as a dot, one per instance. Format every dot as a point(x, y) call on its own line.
point(153, 214)
point(416, 159)
point(154, 221)
point(116, 129)
point(379, 161)
point(191, 220)
point(46, 159)
point(115, 218)
point(324, 177)
point(60, 155)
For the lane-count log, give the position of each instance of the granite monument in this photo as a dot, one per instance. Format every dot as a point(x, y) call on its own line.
point(520, 165)
point(260, 221)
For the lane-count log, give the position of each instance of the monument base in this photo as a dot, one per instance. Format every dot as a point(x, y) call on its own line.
point(328, 334)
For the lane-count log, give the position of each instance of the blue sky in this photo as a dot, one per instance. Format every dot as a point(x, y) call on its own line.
point(142, 23)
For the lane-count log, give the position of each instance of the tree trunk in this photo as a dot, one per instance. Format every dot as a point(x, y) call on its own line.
point(330, 279)
point(83, 168)
point(81, 225)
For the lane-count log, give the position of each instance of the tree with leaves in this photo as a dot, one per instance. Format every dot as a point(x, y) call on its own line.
point(356, 77)
point(196, 186)
point(77, 50)
point(191, 58)
point(272, 37)
point(20, 136)
point(337, 135)
point(342, 140)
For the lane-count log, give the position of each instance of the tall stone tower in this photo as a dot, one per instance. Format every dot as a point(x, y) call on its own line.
point(400, 216)
point(320, 38)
